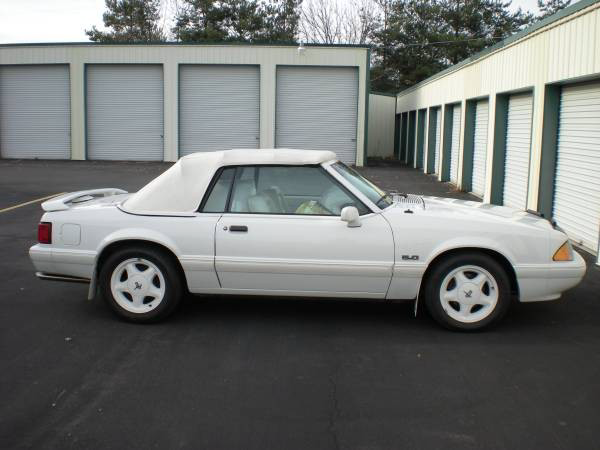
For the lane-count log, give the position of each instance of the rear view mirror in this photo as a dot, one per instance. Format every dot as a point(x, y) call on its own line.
point(350, 215)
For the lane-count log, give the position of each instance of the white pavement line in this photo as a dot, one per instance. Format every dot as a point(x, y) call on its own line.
point(10, 208)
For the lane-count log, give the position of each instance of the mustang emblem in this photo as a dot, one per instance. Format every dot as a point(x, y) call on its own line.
point(467, 293)
point(138, 285)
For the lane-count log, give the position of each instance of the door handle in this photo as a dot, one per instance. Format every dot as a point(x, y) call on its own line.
point(239, 228)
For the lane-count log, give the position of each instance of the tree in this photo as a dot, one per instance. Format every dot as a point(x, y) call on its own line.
point(472, 25)
point(424, 37)
point(281, 21)
point(129, 21)
point(200, 20)
point(237, 20)
point(329, 22)
point(549, 7)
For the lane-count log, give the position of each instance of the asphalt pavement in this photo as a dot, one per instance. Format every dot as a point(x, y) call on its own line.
point(277, 373)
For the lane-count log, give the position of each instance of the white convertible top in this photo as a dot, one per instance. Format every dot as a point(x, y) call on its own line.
point(181, 188)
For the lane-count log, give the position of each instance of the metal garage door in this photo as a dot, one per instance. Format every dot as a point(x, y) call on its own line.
point(317, 109)
point(35, 116)
point(577, 184)
point(480, 147)
point(455, 143)
point(518, 145)
point(438, 135)
point(219, 108)
point(125, 112)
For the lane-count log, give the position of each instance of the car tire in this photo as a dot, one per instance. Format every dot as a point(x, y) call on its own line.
point(141, 284)
point(467, 291)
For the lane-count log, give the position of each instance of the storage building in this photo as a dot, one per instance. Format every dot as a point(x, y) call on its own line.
point(160, 102)
point(519, 123)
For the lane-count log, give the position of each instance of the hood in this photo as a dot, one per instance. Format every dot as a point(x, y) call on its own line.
point(450, 208)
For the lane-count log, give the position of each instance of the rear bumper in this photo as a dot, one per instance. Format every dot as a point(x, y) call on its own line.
point(549, 281)
point(68, 263)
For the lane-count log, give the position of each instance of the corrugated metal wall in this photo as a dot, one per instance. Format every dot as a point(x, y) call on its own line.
point(124, 111)
point(219, 107)
point(480, 147)
point(316, 109)
point(381, 126)
point(34, 112)
point(577, 190)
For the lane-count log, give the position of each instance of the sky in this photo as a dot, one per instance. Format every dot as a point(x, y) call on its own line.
point(66, 20)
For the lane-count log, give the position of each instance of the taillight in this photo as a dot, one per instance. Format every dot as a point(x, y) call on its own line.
point(45, 233)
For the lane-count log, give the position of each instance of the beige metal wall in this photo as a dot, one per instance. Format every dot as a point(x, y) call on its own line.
point(566, 50)
point(170, 56)
point(381, 126)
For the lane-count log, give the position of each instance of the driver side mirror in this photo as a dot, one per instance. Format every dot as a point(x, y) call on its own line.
point(350, 215)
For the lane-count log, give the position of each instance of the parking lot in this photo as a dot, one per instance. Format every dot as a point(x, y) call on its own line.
point(273, 373)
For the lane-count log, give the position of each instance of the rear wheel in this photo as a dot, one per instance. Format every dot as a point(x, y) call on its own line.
point(140, 284)
point(467, 291)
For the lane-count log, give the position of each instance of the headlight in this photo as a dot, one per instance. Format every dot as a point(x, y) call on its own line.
point(564, 253)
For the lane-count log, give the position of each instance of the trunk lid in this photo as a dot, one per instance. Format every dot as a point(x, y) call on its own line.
point(105, 196)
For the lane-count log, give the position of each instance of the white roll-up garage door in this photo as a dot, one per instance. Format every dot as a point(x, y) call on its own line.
point(577, 183)
point(455, 143)
point(219, 108)
point(317, 109)
point(518, 146)
point(438, 139)
point(124, 112)
point(35, 116)
point(480, 147)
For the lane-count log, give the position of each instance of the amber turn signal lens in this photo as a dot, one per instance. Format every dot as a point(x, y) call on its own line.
point(564, 253)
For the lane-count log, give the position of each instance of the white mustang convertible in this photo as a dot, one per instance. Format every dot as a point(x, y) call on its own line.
point(298, 222)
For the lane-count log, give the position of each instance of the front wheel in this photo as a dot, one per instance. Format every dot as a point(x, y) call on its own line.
point(467, 291)
point(140, 284)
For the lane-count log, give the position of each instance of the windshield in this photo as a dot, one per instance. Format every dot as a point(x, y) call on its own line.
point(377, 195)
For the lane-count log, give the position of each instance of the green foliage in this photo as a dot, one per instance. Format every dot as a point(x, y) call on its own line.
point(237, 20)
point(549, 7)
point(423, 37)
point(129, 21)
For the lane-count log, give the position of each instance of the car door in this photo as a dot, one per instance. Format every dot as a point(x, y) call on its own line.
point(281, 233)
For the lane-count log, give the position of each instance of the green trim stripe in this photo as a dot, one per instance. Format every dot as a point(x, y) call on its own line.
point(403, 136)
point(499, 155)
point(468, 146)
point(183, 44)
point(412, 128)
point(422, 116)
point(433, 112)
point(385, 94)
point(549, 149)
point(447, 142)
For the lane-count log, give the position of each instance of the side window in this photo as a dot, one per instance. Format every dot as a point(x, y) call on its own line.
point(299, 190)
point(243, 188)
point(217, 199)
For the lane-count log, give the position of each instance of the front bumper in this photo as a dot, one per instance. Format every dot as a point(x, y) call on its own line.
point(549, 281)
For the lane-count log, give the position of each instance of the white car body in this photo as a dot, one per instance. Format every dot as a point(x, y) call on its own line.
point(385, 257)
